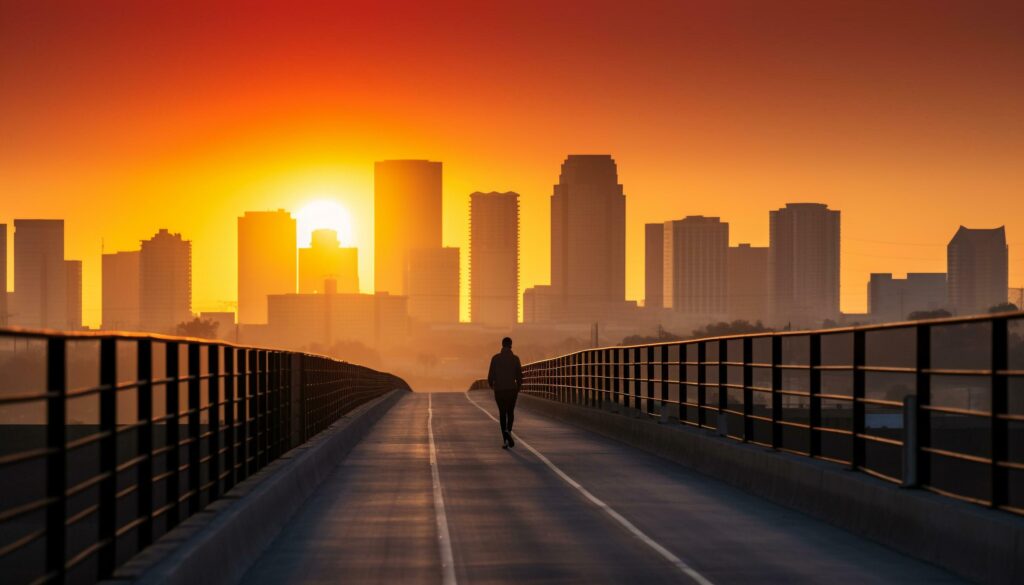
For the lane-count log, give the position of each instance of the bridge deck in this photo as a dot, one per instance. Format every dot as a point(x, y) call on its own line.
point(513, 518)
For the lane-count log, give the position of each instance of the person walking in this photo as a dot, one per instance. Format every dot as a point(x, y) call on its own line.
point(505, 377)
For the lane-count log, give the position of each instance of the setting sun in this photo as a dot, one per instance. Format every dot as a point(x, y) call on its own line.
point(324, 214)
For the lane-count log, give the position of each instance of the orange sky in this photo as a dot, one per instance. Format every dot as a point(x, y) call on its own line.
point(124, 117)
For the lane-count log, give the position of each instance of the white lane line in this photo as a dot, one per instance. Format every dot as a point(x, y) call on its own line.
point(443, 537)
point(664, 552)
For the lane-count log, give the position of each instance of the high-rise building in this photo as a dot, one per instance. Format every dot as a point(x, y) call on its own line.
point(407, 216)
point(694, 259)
point(494, 258)
point(40, 276)
point(266, 261)
point(654, 265)
point(977, 262)
point(165, 282)
point(803, 264)
point(588, 237)
point(121, 291)
point(324, 260)
point(538, 304)
point(894, 299)
point(746, 283)
point(73, 280)
point(3, 275)
point(302, 320)
point(433, 285)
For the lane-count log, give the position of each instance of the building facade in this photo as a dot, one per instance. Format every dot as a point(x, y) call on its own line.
point(588, 238)
point(73, 307)
point(433, 285)
point(654, 265)
point(746, 283)
point(3, 275)
point(695, 250)
point(803, 264)
point(325, 260)
point(977, 264)
point(304, 320)
point(40, 275)
point(121, 291)
point(494, 258)
point(165, 282)
point(407, 216)
point(894, 299)
point(266, 261)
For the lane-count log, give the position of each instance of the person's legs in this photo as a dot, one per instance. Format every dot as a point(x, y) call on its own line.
point(510, 407)
point(499, 399)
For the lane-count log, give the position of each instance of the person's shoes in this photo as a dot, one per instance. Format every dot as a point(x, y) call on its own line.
point(505, 444)
point(511, 442)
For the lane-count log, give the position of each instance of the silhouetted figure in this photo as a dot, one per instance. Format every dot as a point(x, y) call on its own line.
point(505, 377)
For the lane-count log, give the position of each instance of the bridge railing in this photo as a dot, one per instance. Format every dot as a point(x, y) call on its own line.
point(110, 440)
point(936, 404)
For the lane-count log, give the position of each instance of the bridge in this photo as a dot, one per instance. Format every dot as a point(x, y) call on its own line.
point(882, 454)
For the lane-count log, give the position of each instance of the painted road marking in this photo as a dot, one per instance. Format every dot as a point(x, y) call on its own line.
point(443, 537)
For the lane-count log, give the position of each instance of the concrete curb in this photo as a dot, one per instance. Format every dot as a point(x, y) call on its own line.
point(976, 543)
point(217, 545)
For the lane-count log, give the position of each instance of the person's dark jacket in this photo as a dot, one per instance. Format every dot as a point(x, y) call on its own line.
point(505, 373)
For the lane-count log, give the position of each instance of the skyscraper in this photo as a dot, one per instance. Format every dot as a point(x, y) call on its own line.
point(654, 265)
point(588, 237)
point(40, 277)
point(266, 261)
point(325, 259)
point(695, 259)
point(407, 216)
point(165, 282)
point(433, 285)
point(121, 291)
point(803, 264)
point(73, 299)
point(3, 274)
point(894, 299)
point(746, 283)
point(494, 258)
point(977, 262)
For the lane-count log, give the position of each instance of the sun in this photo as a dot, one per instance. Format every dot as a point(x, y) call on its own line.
point(324, 214)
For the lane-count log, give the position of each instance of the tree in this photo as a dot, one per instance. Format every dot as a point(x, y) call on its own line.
point(722, 328)
point(198, 328)
point(1003, 308)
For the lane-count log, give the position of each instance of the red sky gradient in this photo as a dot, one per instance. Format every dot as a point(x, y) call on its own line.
point(123, 117)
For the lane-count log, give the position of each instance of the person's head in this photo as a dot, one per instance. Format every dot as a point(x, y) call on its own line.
point(506, 343)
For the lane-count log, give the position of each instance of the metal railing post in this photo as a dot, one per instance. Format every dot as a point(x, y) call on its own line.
point(213, 417)
point(776, 397)
point(650, 380)
point(194, 431)
point(722, 424)
point(230, 429)
point(106, 512)
point(999, 450)
point(56, 458)
point(910, 446)
point(172, 485)
point(144, 412)
point(748, 393)
point(702, 380)
point(922, 435)
point(814, 395)
point(859, 356)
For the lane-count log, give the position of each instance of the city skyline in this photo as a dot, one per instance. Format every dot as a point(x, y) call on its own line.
point(753, 107)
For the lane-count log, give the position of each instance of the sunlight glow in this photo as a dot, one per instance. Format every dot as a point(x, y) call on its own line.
point(324, 213)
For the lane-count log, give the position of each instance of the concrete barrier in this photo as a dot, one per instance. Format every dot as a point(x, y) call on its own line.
point(220, 543)
point(976, 543)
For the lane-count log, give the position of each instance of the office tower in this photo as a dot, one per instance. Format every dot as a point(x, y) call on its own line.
point(121, 291)
point(40, 277)
point(494, 258)
point(538, 304)
point(304, 320)
point(266, 261)
point(654, 265)
point(803, 264)
point(3, 275)
point(407, 216)
point(433, 285)
point(73, 306)
point(746, 283)
point(588, 237)
point(694, 258)
point(893, 299)
point(325, 259)
point(165, 282)
point(977, 261)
